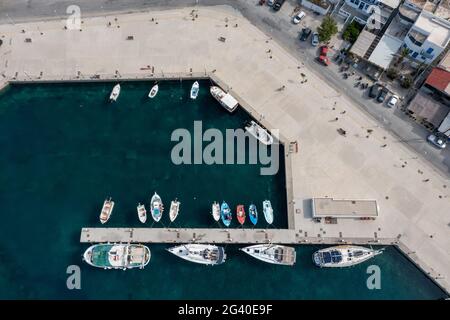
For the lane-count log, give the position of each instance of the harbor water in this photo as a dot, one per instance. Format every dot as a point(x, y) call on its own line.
point(65, 148)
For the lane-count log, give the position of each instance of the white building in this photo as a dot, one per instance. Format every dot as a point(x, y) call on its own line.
point(428, 37)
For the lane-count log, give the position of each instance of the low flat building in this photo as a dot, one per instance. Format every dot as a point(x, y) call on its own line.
point(426, 110)
point(344, 208)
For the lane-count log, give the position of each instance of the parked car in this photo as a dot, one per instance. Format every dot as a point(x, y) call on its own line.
point(270, 2)
point(305, 34)
point(438, 139)
point(315, 39)
point(299, 17)
point(382, 95)
point(393, 101)
point(323, 56)
point(277, 5)
point(374, 90)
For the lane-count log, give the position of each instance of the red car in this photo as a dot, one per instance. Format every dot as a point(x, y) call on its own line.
point(323, 56)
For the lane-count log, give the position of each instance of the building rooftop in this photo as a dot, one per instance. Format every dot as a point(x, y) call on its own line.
point(425, 107)
point(321, 3)
point(391, 3)
point(385, 51)
point(328, 207)
point(363, 43)
point(439, 29)
point(439, 79)
point(443, 10)
point(445, 62)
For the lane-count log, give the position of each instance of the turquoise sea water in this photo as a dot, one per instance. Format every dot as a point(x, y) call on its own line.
point(65, 148)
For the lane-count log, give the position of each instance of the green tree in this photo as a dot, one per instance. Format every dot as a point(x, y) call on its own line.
point(327, 29)
point(392, 73)
point(407, 82)
point(352, 31)
point(402, 55)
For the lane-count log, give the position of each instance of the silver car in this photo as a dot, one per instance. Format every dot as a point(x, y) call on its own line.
point(315, 39)
point(438, 139)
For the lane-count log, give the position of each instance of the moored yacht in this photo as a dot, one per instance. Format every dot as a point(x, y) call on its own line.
point(115, 93)
point(107, 209)
point(156, 207)
point(343, 256)
point(153, 91)
point(216, 211)
point(174, 209)
point(259, 133)
point(268, 211)
point(225, 99)
point(117, 256)
point(200, 253)
point(142, 213)
point(272, 253)
point(194, 90)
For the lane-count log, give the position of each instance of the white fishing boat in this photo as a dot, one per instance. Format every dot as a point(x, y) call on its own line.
point(268, 211)
point(259, 133)
point(200, 253)
point(115, 93)
point(117, 256)
point(194, 90)
point(174, 209)
point(343, 256)
point(142, 213)
point(107, 209)
point(225, 99)
point(272, 253)
point(216, 211)
point(156, 207)
point(153, 91)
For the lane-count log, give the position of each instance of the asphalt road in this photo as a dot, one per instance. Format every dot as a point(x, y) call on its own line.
point(278, 26)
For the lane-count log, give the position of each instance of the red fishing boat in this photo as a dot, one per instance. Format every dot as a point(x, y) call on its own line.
point(240, 213)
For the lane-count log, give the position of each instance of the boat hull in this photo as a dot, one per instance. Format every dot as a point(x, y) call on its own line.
point(225, 214)
point(268, 211)
point(174, 209)
point(240, 214)
point(98, 255)
point(343, 256)
point(153, 92)
point(194, 90)
point(274, 254)
point(216, 211)
point(156, 211)
point(142, 213)
point(253, 214)
point(196, 253)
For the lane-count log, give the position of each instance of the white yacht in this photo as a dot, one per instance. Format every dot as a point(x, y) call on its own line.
point(268, 211)
point(200, 253)
point(108, 206)
point(117, 256)
point(194, 90)
point(174, 209)
point(115, 93)
point(216, 211)
point(156, 207)
point(142, 213)
point(272, 253)
point(153, 91)
point(259, 133)
point(343, 256)
point(225, 99)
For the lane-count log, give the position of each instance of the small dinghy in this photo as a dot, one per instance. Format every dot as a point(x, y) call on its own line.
point(156, 207)
point(153, 91)
point(268, 211)
point(142, 213)
point(216, 211)
point(225, 214)
point(107, 209)
point(174, 208)
point(115, 93)
point(253, 214)
point(194, 90)
point(240, 213)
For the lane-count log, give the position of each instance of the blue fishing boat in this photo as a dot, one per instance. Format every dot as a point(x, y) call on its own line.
point(253, 214)
point(225, 214)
